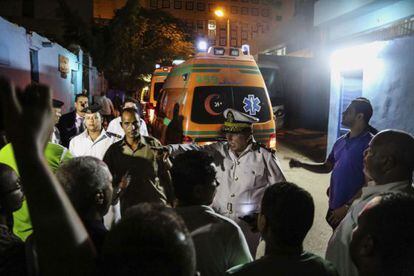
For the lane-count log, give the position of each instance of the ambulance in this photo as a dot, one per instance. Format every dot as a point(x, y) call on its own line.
point(149, 97)
point(195, 94)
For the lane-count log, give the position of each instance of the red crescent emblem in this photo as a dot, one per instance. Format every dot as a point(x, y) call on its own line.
point(207, 104)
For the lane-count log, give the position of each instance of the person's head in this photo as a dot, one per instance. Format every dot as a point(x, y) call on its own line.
point(239, 141)
point(194, 178)
point(11, 195)
point(151, 240)
point(57, 110)
point(130, 123)
point(81, 102)
point(131, 103)
point(383, 241)
point(390, 157)
point(359, 112)
point(286, 215)
point(238, 129)
point(88, 184)
point(93, 119)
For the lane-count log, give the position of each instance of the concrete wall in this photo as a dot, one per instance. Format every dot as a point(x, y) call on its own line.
point(15, 45)
point(344, 18)
point(388, 83)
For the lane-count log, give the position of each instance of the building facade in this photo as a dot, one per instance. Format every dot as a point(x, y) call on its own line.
point(369, 45)
point(248, 19)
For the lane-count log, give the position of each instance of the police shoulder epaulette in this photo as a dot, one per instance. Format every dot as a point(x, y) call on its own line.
point(258, 146)
point(111, 134)
point(152, 140)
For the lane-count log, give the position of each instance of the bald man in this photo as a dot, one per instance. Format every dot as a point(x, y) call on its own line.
point(389, 162)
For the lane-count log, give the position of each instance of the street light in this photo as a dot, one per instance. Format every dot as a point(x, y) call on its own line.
point(220, 13)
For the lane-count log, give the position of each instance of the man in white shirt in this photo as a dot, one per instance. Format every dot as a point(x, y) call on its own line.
point(115, 128)
point(94, 141)
point(389, 162)
point(219, 241)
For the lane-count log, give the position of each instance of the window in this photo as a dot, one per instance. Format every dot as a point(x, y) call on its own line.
point(255, 1)
point(34, 65)
point(200, 25)
point(265, 13)
point(233, 43)
point(222, 42)
point(254, 11)
point(244, 11)
point(278, 4)
point(244, 35)
point(157, 89)
point(190, 25)
point(154, 4)
point(209, 102)
point(189, 5)
point(165, 4)
point(201, 6)
point(211, 7)
point(178, 4)
point(234, 10)
point(279, 18)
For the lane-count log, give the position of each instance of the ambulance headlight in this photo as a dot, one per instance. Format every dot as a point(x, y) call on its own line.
point(219, 51)
point(234, 52)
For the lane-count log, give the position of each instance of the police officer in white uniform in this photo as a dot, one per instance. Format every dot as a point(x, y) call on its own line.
point(244, 170)
point(93, 141)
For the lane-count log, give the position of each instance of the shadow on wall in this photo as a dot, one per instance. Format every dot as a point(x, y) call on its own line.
point(62, 88)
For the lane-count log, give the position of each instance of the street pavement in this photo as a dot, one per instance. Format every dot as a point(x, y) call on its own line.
point(317, 238)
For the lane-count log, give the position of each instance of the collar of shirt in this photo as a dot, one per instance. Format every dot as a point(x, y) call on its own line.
point(101, 136)
point(141, 144)
point(246, 150)
point(362, 134)
point(372, 189)
point(78, 117)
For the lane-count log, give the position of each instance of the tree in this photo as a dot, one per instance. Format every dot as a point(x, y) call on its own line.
point(140, 38)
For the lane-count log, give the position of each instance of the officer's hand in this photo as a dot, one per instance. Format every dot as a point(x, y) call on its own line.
point(27, 115)
point(293, 163)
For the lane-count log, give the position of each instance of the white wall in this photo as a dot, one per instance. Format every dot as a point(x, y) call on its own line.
point(15, 45)
point(387, 82)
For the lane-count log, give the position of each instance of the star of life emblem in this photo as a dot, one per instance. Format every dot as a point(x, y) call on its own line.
point(251, 104)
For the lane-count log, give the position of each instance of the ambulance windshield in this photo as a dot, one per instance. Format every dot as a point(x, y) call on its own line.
point(210, 101)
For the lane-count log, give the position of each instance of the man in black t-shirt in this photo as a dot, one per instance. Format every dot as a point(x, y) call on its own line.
point(285, 218)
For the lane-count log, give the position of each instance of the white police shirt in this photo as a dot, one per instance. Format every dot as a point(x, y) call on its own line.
point(243, 179)
point(82, 144)
point(115, 127)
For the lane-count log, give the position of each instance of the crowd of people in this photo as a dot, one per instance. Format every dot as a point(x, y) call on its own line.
point(79, 199)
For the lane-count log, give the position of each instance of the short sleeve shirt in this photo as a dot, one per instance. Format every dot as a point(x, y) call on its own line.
point(347, 176)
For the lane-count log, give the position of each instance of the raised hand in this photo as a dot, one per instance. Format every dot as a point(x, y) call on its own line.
point(27, 114)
